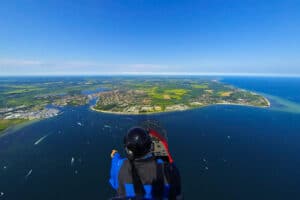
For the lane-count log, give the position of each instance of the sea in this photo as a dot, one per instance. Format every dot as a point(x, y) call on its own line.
point(222, 151)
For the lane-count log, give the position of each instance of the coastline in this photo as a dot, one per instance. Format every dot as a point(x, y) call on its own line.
point(190, 108)
point(284, 104)
point(16, 127)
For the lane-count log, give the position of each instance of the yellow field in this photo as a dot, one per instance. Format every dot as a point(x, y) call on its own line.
point(209, 91)
point(166, 94)
point(200, 86)
point(224, 94)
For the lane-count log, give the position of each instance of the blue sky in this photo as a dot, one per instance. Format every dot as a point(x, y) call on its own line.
point(150, 36)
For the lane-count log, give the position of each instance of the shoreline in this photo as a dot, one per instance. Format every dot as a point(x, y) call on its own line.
point(17, 127)
point(24, 124)
point(190, 108)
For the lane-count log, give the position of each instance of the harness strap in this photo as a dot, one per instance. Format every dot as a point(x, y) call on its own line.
point(158, 187)
point(137, 182)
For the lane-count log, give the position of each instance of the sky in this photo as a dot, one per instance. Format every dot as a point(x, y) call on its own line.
point(54, 37)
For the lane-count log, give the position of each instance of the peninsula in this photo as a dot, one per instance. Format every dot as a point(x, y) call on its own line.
point(139, 96)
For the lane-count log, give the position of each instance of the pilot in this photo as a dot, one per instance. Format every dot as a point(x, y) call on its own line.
point(141, 175)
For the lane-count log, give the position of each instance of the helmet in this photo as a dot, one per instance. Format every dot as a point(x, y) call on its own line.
point(137, 143)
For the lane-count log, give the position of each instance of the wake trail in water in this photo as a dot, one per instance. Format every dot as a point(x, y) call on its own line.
point(40, 140)
point(28, 174)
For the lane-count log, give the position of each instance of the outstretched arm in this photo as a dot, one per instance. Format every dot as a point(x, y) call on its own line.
point(116, 164)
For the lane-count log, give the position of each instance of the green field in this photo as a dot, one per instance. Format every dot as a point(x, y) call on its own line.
point(42, 92)
point(5, 123)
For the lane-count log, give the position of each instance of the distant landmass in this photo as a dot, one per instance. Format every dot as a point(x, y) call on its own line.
point(163, 95)
point(25, 99)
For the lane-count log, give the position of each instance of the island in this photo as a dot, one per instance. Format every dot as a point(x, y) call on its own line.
point(25, 99)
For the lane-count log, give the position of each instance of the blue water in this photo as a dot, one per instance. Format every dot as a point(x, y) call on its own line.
point(223, 152)
point(287, 88)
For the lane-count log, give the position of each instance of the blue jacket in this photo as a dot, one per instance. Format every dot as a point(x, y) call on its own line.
point(160, 180)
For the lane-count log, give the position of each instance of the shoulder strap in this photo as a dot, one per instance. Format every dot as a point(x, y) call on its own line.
point(158, 185)
point(173, 178)
point(137, 182)
point(160, 171)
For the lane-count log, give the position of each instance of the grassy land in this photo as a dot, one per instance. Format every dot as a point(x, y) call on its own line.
point(167, 94)
point(18, 93)
point(5, 123)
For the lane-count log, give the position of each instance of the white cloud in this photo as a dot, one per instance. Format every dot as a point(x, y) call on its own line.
point(84, 67)
point(12, 62)
point(75, 67)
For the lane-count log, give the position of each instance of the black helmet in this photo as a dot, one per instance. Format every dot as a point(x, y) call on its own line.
point(137, 143)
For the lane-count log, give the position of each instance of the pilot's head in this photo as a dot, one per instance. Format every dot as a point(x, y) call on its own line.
point(137, 143)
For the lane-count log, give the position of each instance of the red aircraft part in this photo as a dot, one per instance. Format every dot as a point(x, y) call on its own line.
point(164, 142)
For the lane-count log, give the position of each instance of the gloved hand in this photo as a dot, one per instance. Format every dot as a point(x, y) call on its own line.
point(113, 153)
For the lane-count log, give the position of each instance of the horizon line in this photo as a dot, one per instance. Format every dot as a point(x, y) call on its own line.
point(155, 74)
